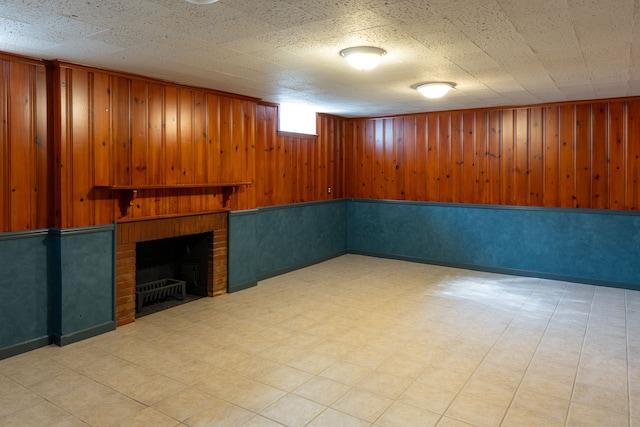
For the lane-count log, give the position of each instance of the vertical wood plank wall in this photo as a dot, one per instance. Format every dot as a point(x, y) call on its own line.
point(104, 128)
point(123, 130)
point(24, 165)
point(582, 155)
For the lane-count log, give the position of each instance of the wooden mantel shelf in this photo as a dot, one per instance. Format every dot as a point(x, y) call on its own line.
point(130, 192)
point(169, 186)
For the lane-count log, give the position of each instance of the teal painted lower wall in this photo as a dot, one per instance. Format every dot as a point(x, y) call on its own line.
point(58, 285)
point(588, 246)
point(83, 282)
point(269, 241)
point(25, 315)
point(55, 286)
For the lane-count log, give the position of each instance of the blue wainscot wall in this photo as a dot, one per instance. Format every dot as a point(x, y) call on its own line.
point(269, 241)
point(56, 286)
point(583, 245)
point(83, 297)
point(24, 292)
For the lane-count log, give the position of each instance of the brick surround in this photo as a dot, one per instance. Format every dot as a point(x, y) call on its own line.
point(131, 232)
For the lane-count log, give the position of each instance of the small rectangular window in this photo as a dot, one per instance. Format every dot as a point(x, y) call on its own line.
point(296, 118)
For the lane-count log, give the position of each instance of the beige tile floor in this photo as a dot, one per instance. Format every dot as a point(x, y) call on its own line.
point(355, 341)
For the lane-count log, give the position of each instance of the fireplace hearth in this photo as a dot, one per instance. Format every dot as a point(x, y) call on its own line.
point(189, 248)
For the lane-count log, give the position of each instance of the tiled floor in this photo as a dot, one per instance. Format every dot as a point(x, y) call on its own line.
point(354, 341)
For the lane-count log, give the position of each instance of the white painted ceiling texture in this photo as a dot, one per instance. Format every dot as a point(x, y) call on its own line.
point(498, 52)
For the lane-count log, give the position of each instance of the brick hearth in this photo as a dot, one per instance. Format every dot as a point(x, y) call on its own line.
point(131, 232)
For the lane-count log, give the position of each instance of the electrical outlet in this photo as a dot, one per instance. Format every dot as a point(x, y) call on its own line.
point(328, 190)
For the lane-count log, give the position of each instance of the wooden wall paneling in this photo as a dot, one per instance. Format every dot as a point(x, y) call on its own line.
point(507, 189)
point(304, 182)
point(400, 162)
point(5, 206)
point(21, 147)
point(432, 173)
point(156, 149)
point(139, 132)
point(226, 144)
point(171, 148)
point(240, 146)
point(312, 161)
point(341, 156)
point(320, 171)
point(378, 159)
point(278, 171)
point(249, 193)
point(354, 158)
point(333, 160)
point(389, 160)
point(296, 193)
point(536, 156)
point(271, 166)
point(171, 136)
point(457, 157)
point(583, 144)
point(329, 142)
point(551, 196)
point(43, 181)
point(287, 169)
point(102, 163)
point(470, 187)
point(567, 156)
point(617, 150)
point(521, 157)
point(80, 146)
point(200, 162)
point(359, 141)
point(633, 155)
point(59, 150)
point(261, 182)
point(237, 153)
point(186, 148)
point(214, 171)
point(122, 130)
point(445, 167)
point(369, 170)
point(481, 157)
point(494, 160)
point(412, 180)
point(600, 156)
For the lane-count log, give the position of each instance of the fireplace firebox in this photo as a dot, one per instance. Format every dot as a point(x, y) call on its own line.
point(186, 248)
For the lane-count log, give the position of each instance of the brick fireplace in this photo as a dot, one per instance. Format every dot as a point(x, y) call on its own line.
point(131, 232)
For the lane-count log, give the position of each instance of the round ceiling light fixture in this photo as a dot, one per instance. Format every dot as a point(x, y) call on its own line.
point(434, 89)
point(202, 1)
point(363, 57)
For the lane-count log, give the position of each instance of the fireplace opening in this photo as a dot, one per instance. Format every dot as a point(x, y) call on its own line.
point(170, 272)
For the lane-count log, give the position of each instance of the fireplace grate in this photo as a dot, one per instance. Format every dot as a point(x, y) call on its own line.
point(149, 292)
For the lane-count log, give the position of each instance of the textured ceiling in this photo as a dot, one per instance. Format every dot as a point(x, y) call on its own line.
point(498, 52)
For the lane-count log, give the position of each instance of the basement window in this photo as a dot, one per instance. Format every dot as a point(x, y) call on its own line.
point(296, 118)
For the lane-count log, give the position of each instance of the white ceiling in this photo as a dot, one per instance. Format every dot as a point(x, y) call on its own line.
point(498, 52)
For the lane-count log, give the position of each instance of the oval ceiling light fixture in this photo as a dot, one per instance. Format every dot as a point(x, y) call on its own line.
point(363, 57)
point(202, 1)
point(434, 89)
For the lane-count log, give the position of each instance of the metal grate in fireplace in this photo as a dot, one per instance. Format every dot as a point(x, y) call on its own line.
point(151, 292)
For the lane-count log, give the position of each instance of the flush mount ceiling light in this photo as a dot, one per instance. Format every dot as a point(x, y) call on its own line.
point(363, 57)
point(434, 89)
point(202, 1)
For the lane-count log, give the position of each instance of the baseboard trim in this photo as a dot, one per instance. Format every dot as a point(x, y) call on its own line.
point(300, 265)
point(501, 270)
point(24, 347)
point(242, 286)
point(84, 334)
